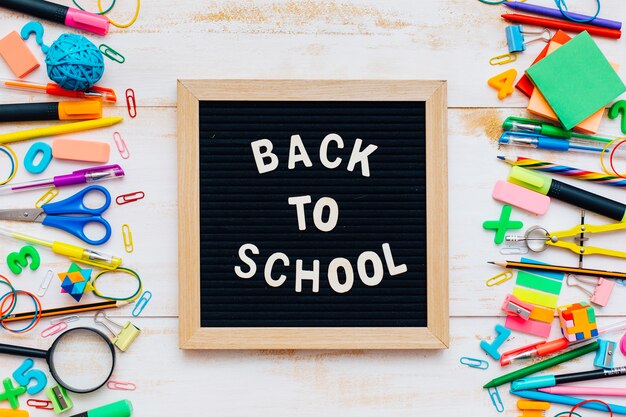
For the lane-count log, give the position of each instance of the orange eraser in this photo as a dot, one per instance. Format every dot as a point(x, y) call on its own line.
point(16, 53)
point(81, 150)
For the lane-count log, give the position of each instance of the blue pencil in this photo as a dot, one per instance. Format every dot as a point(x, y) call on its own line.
point(564, 399)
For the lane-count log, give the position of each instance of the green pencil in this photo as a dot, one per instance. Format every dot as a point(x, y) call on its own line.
point(540, 366)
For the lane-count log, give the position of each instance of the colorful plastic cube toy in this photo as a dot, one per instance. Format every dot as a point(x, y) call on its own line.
point(578, 321)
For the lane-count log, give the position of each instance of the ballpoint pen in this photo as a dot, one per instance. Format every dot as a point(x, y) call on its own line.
point(534, 140)
point(59, 129)
point(545, 381)
point(544, 348)
point(95, 93)
point(82, 176)
point(73, 252)
point(513, 123)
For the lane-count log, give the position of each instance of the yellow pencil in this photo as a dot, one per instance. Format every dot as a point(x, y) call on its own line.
point(59, 130)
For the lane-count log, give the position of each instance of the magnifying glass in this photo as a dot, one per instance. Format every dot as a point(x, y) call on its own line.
point(81, 360)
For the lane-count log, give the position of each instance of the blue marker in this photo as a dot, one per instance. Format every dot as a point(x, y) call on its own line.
point(537, 141)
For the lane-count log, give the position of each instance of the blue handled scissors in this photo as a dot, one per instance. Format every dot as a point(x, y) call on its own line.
point(51, 214)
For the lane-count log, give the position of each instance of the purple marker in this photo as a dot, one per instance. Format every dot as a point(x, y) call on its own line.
point(83, 176)
point(556, 13)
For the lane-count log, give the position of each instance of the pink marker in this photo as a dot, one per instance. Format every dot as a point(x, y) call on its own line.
point(599, 391)
point(67, 16)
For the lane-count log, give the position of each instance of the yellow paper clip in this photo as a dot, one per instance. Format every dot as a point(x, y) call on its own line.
point(128, 238)
point(503, 59)
point(500, 278)
point(47, 197)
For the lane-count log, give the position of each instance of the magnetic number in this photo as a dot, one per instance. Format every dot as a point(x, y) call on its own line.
point(16, 261)
point(24, 375)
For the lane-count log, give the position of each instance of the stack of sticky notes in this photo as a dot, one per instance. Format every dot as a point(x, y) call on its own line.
point(576, 81)
point(541, 289)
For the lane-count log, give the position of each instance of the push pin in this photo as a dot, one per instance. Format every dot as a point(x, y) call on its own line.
point(516, 41)
point(124, 335)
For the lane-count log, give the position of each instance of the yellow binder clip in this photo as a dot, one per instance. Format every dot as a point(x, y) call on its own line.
point(124, 335)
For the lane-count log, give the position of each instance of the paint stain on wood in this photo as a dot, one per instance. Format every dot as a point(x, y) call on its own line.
point(485, 122)
point(299, 17)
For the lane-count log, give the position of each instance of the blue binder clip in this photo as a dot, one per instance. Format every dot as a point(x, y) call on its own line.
point(516, 41)
point(605, 354)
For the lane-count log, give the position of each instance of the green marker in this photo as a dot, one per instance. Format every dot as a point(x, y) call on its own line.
point(578, 197)
point(122, 408)
point(540, 366)
point(536, 126)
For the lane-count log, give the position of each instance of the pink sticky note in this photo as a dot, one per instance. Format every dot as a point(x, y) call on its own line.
point(536, 328)
point(521, 197)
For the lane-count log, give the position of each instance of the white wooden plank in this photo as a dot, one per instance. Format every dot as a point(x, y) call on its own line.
point(398, 39)
point(306, 383)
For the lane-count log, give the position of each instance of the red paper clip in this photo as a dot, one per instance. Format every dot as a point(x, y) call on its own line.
point(40, 404)
point(121, 386)
point(121, 145)
point(131, 104)
point(129, 198)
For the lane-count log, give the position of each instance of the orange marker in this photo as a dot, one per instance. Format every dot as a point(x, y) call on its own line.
point(95, 93)
point(72, 110)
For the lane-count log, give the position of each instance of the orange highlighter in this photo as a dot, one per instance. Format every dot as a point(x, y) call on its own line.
point(70, 110)
point(94, 93)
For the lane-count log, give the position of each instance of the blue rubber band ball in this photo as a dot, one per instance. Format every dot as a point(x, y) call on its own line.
point(74, 63)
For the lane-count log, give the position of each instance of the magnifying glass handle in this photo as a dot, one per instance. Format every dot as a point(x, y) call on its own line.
point(22, 351)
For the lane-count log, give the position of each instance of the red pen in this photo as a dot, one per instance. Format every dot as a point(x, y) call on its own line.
point(536, 349)
point(561, 24)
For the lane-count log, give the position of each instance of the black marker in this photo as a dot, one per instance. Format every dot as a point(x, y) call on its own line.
point(70, 110)
point(67, 16)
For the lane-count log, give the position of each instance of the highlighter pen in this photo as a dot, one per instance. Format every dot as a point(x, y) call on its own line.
point(578, 197)
point(534, 140)
point(59, 129)
point(94, 93)
point(546, 129)
point(82, 176)
point(123, 408)
point(67, 16)
point(69, 110)
point(564, 399)
point(545, 381)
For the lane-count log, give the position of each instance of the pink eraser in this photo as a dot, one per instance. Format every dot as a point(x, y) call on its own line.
point(536, 328)
point(602, 292)
point(17, 55)
point(521, 197)
point(81, 150)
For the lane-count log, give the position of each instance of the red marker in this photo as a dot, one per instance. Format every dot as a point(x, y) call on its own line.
point(561, 24)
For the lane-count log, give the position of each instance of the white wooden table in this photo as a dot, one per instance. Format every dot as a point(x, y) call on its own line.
point(351, 39)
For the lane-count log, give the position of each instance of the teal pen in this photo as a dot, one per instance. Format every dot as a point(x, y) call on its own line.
point(564, 399)
point(535, 140)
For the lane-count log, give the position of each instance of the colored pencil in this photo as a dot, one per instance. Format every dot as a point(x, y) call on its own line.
point(556, 13)
point(540, 366)
point(565, 170)
point(561, 24)
point(578, 390)
point(66, 310)
point(559, 268)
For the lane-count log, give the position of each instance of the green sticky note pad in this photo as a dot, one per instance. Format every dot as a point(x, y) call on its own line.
point(538, 282)
point(576, 80)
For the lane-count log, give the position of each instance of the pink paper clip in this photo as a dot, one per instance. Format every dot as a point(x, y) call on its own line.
point(129, 198)
point(121, 385)
point(121, 145)
point(54, 329)
point(131, 104)
point(40, 404)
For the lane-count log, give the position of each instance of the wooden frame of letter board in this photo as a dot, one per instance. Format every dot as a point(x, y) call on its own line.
point(193, 336)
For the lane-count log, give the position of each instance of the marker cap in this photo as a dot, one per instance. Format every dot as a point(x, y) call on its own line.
point(91, 22)
point(122, 408)
point(80, 110)
point(529, 179)
point(533, 383)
